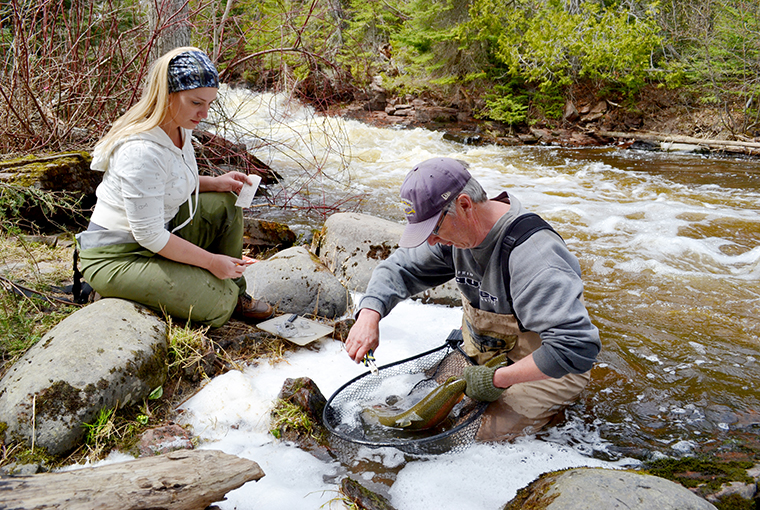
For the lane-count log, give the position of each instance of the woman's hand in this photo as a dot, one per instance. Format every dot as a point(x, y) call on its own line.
point(224, 267)
point(230, 181)
point(221, 266)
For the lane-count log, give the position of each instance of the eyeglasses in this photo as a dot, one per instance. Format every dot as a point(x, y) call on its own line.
point(440, 222)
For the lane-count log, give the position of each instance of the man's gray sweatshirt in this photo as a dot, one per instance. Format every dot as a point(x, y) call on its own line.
point(544, 282)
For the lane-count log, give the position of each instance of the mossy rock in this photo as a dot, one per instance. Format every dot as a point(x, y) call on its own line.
point(66, 171)
point(48, 192)
point(584, 488)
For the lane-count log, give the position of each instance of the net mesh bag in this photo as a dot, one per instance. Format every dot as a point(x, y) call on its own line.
point(345, 414)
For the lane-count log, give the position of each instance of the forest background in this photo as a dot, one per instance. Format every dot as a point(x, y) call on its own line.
point(71, 67)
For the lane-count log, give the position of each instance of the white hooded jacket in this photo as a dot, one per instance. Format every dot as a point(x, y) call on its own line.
point(147, 178)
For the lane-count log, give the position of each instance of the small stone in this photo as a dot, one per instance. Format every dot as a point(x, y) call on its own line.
point(164, 439)
point(743, 490)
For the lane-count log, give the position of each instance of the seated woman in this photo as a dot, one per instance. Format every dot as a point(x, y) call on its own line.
point(160, 234)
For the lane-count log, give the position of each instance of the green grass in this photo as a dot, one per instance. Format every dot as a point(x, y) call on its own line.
point(25, 319)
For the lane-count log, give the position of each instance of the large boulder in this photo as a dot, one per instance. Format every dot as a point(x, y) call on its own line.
point(584, 488)
point(110, 353)
point(351, 245)
point(295, 281)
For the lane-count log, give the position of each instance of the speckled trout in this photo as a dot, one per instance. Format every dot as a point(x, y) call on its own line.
point(433, 409)
point(428, 412)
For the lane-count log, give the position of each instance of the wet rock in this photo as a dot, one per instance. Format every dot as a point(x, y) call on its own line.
point(435, 114)
point(571, 112)
point(297, 415)
point(110, 353)
point(305, 394)
point(261, 235)
point(584, 488)
point(351, 245)
point(164, 439)
point(15, 469)
point(465, 138)
point(296, 281)
point(378, 96)
point(645, 145)
point(362, 497)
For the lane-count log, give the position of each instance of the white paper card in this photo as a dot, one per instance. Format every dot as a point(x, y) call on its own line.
point(245, 197)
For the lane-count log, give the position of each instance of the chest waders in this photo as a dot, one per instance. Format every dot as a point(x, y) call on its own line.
point(526, 407)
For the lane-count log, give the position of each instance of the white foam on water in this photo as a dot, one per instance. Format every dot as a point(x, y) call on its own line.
point(231, 413)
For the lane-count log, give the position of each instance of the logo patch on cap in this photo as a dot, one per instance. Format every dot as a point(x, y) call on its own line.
point(408, 207)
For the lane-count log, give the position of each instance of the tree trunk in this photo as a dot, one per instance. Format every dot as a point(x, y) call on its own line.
point(168, 22)
point(183, 479)
point(733, 145)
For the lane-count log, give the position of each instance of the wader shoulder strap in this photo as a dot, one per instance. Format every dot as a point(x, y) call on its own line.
point(517, 233)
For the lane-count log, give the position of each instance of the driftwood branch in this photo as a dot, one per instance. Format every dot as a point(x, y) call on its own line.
point(184, 479)
point(665, 138)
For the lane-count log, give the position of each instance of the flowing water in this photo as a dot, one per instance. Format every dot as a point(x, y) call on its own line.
point(669, 246)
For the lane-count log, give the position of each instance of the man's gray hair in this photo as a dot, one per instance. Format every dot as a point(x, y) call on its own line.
point(472, 189)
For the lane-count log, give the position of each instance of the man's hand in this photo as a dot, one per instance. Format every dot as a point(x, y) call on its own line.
point(480, 384)
point(364, 334)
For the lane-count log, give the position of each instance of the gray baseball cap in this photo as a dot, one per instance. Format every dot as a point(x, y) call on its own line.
point(426, 191)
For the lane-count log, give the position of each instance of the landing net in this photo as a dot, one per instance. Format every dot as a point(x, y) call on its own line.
point(345, 413)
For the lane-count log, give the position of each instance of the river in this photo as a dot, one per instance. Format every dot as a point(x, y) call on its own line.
point(669, 245)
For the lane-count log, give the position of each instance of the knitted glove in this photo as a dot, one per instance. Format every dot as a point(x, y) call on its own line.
point(480, 386)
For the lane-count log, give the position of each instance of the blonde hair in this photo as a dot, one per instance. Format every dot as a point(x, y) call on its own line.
point(150, 110)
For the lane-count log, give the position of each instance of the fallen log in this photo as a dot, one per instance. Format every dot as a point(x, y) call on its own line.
point(183, 479)
point(667, 138)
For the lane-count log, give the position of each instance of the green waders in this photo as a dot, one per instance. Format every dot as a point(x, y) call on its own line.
point(129, 271)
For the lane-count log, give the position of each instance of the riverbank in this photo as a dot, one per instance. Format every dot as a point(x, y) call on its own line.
point(659, 119)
